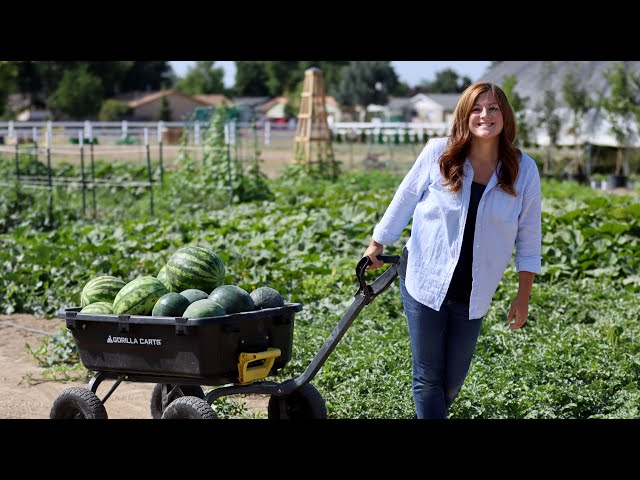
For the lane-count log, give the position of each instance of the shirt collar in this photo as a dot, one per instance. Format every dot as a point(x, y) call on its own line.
point(468, 174)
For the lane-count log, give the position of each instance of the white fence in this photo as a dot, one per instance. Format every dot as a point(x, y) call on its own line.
point(154, 132)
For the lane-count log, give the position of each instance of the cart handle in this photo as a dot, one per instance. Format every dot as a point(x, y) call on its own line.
point(366, 290)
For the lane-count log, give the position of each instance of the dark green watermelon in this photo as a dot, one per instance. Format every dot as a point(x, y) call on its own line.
point(193, 294)
point(233, 299)
point(267, 297)
point(204, 308)
point(170, 305)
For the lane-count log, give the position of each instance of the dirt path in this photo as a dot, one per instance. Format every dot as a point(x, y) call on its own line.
point(24, 395)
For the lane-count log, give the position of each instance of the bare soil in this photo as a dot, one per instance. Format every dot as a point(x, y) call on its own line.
point(25, 394)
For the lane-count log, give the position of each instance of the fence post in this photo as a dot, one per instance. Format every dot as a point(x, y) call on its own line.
point(146, 144)
point(255, 141)
point(228, 144)
point(93, 169)
point(49, 180)
point(267, 132)
point(17, 174)
point(160, 125)
point(82, 178)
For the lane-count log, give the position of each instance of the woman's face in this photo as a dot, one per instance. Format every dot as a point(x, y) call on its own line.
point(485, 121)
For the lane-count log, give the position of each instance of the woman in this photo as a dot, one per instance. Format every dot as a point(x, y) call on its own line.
point(472, 196)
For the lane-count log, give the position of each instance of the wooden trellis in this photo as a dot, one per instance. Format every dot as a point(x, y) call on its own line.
point(312, 127)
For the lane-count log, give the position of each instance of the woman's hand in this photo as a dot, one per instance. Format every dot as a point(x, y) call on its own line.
point(519, 309)
point(372, 250)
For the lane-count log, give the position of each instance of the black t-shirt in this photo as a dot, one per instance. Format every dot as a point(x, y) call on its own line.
point(460, 286)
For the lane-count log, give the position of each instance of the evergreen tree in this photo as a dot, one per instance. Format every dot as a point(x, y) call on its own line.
point(202, 78)
point(78, 96)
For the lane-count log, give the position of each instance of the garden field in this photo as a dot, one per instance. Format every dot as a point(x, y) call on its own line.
point(577, 357)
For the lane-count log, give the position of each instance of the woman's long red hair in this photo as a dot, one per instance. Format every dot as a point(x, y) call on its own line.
point(454, 155)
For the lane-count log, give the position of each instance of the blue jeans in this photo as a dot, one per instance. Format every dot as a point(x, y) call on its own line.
point(442, 344)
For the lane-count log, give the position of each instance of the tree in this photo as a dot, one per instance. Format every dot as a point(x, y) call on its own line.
point(8, 75)
point(146, 76)
point(550, 121)
point(79, 94)
point(164, 112)
point(446, 81)
point(578, 101)
point(364, 82)
point(519, 106)
point(621, 107)
point(202, 78)
point(114, 110)
point(251, 79)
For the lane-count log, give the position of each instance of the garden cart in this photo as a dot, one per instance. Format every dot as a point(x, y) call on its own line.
point(234, 353)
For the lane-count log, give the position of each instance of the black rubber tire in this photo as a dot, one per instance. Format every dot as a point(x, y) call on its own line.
point(156, 397)
point(78, 403)
point(189, 408)
point(303, 403)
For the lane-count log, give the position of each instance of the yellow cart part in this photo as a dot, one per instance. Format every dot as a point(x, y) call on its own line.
point(247, 374)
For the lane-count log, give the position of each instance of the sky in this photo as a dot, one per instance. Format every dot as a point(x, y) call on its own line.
point(410, 72)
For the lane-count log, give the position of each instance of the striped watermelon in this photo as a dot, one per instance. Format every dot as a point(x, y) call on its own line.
point(98, 307)
point(194, 267)
point(139, 296)
point(162, 276)
point(103, 288)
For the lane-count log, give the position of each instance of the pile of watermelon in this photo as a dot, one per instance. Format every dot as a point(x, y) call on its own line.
point(179, 290)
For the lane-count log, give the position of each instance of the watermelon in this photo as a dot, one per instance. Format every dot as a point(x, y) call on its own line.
point(139, 296)
point(267, 297)
point(162, 276)
point(204, 308)
point(98, 307)
point(193, 294)
point(232, 298)
point(194, 267)
point(103, 288)
point(170, 305)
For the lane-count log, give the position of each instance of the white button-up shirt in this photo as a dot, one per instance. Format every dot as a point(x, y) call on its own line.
point(437, 230)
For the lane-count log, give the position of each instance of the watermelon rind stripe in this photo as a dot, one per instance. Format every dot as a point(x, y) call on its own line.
point(139, 296)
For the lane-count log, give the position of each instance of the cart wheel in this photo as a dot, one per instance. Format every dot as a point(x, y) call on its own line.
point(156, 396)
point(189, 408)
point(78, 403)
point(303, 403)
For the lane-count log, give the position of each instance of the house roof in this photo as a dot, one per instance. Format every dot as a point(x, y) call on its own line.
point(250, 102)
point(263, 108)
point(213, 99)
point(151, 97)
point(535, 77)
point(447, 100)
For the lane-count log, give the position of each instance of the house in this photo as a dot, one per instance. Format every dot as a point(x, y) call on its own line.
point(28, 109)
point(247, 107)
point(274, 110)
point(147, 107)
point(423, 107)
point(214, 100)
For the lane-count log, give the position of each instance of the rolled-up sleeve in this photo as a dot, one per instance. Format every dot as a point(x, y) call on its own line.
point(403, 204)
point(529, 237)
